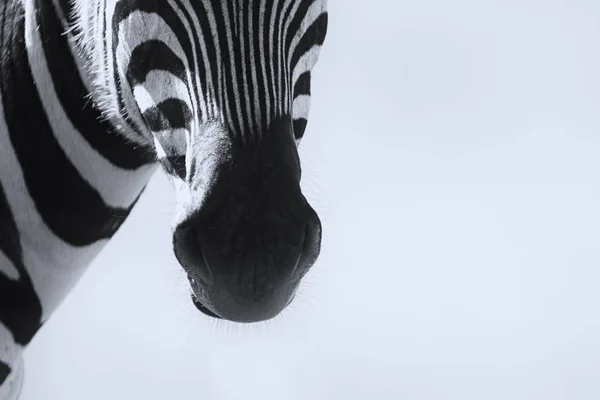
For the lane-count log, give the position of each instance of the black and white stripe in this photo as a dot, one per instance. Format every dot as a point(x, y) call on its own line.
point(68, 178)
point(94, 92)
point(239, 63)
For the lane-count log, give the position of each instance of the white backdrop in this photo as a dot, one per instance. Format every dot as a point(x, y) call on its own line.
point(453, 155)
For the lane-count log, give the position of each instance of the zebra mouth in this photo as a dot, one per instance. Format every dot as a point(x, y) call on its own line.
point(203, 308)
point(206, 311)
point(197, 303)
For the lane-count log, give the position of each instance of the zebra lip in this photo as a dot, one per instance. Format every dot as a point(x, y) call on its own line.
point(195, 288)
point(205, 310)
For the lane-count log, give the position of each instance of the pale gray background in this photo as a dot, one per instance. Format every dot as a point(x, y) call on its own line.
point(453, 155)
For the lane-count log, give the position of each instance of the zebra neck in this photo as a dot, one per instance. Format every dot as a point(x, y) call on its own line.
point(70, 179)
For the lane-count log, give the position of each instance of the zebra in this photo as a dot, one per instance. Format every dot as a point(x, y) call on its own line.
point(97, 95)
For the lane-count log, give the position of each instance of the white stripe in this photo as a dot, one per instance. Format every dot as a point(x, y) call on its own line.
point(286, 29)
point(245, 38)
point(301, 107)
point(255, 108)
point(200, 95)
point(130, 107)
point(93, 53)
point(53, 265)
point(263, 64)
point(73, 45)
point(283, 67)
point(103, 46)
point(11, 354)
point(306, 62)
point(236, 91)
point(140, 27)
point(312, 14)
point(176, 140)
point(215, 103)
point(9, 350)
point(276, 79)
point(7, 268)
point(217, 108)
point(93, 167)
point(160, 86)
point(12, 386)
point(160, 152)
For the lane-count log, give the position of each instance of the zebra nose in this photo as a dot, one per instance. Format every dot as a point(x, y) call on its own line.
point(247, 272)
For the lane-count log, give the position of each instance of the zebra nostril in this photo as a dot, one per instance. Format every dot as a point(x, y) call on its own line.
point(188, 250)
point(311, 245)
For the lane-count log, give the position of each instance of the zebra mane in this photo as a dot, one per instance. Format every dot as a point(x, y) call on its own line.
point(89, 33)
point(84, 15)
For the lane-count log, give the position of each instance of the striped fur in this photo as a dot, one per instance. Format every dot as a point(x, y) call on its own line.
point(94, 92)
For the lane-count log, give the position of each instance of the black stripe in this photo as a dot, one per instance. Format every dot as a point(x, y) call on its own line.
point(202, 69)
point(302, 85)
point(124, 9)
point(314, 35)
point(153, 55)
point(20, 308)
point(299, 127)
point(72, 95)
point(246, 73)
point(274, 56)
point(257, 65)
point(250, 67)
point(210, 46)
point(279, 57)
point(68, 12)
point(239, 73)
point(268, 54)
point(56, 187)
point(226, 55)
point(169, 114)
point(226, 101)
point(285, 35)
point(4, 372)
point(296, 22)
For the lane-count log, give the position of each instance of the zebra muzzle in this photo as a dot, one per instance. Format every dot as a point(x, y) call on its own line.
point(253, 236)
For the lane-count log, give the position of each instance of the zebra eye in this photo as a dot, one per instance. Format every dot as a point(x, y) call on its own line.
point(177, 166)
point(174, 144)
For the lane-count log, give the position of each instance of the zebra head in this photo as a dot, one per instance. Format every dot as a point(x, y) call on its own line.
point(223, 88)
